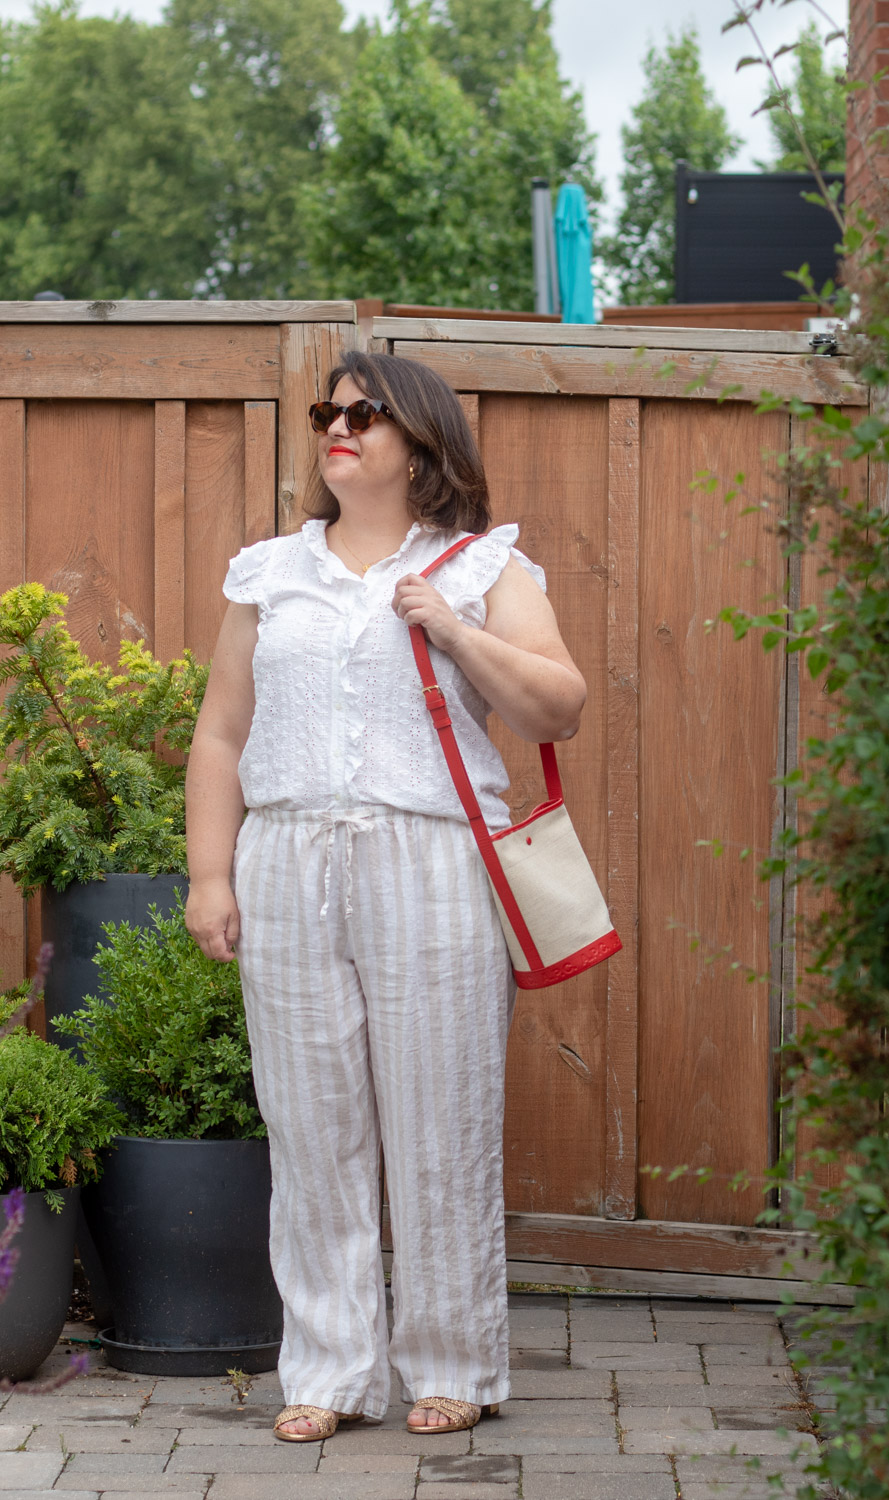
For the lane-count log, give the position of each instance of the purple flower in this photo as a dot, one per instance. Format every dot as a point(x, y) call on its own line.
point(8, 1262)
point(15, 1210)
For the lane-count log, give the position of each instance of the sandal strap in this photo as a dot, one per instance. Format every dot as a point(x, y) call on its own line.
point(324, 1419)
point(459, 1411)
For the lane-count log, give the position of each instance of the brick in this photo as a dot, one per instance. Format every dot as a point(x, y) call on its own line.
point(773, 1356)
point(636, 1390)
point(134, 1484)
point(382, 1440)
point(182, 1391)
point(382, 1463)
point(458, 1491)
point(758, 1397)
point(748, 1375)
point(653, 1418)
point(598, 1487)
point(473, 1468)
point(218, 1437)
point(717, 1441)
point(148, 1494)
point(276, 1458)
point(539, 1338)
point(701, 1313)
point(600, 1463)
point(221, 1418)
point(733, 1468)
point(12, 1435)
point(30, 1470)
point(538, 1317)
point(314, 1487)
point(533, 1385)
point(653, 1357)
point(99, 1437)
point(748, 1334)
point(119, 1463)
point(24, 1408)
point(595, 1443)
point(538, 1359)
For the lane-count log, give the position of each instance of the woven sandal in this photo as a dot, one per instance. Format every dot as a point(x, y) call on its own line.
point(326, 1422)
point(460, 1414)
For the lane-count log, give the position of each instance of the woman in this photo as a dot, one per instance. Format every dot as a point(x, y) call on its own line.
point(376, 981)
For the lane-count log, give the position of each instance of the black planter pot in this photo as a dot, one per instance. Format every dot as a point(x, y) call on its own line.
point(33, 1311)
point(72, 921)
point(182, 1232)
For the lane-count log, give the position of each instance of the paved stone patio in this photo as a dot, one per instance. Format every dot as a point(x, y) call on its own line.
point(614, 1398)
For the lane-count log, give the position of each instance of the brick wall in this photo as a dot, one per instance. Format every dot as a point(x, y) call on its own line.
point(867, 167)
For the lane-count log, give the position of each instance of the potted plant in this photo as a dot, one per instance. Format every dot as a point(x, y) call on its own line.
point(180, 1218)
point(54, 1117)
point(92, 804)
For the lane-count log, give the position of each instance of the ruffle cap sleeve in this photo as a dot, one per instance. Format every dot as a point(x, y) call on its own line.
point(483, 562)
point(244, 580)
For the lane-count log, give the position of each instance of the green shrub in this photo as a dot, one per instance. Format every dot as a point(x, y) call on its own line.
point(87, 785)
point(169, 1041)
point(54, 1116)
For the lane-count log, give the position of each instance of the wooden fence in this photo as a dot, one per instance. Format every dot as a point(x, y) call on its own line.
point(142, 444)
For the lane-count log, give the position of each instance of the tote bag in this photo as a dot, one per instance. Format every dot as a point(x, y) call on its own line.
point(553, 914)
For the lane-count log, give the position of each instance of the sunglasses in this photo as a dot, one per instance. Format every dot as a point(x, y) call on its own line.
point(359, 415)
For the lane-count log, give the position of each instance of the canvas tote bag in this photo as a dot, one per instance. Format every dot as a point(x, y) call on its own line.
point(553, 914)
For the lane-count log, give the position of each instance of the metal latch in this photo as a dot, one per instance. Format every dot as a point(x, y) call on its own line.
point(824, 343)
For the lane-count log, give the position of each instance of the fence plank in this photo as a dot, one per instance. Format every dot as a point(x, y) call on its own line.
point(593, 336)
point(554, 482)
point(214, 514)
point(259, 471)
point(164, 361)
point(667, 373)
point(12, 572)
point(182, 313)
point(298, 389)
point(623, 806)
point(169, 529)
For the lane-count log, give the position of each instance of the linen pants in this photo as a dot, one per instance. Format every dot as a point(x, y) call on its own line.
point(378, 994)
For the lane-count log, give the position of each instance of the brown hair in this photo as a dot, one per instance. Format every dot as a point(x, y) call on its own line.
point(449, 489)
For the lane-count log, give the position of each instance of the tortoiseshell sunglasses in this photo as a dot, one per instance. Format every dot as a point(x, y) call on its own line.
point(359, 415)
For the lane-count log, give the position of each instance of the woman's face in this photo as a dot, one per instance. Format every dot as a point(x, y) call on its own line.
point(360, 462)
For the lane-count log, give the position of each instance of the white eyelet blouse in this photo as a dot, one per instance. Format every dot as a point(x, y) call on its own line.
point(340, 717)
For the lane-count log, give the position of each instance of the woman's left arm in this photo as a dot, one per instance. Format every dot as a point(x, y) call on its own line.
point(519, 662)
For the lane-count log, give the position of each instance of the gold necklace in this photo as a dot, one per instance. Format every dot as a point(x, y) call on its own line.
point(364, 565)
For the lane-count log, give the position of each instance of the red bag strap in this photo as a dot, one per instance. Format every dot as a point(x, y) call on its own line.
point(435, 702)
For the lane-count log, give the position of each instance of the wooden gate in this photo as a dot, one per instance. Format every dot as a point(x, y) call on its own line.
point(664, 1056)
point(141, 445)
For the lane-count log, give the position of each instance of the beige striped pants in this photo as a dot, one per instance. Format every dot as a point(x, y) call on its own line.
point(378, 995)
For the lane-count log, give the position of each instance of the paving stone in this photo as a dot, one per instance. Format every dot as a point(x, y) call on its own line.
point(635, 1357)
point(653, 1418)
point(119, 1463)
point(634, 1390)
point(759, 1397)
point(134, 1484)
point(12, 1435)
point(30, 1470)
point(543, 1315)
point(750, 1375)
point(538, 1359)
point(749, 1418)
point(50, 1494)
point(612, 1325)
point(472, 1468)
point(735, 1468)
point(99, 1437)
point(25, 1408)
point(146, 1494)
point(718, 1489)
point(531, 1385)
point(516, 1300)
point(701, 1312)
point(518, 1443)
point(553, 1337)
point(600, 1463)
point(218, 1437)
point(314, 1487)
point(220, 1418)
point(717, 1441)
point(459, 1491)
point(379, 1440)
point(182, 1391)
point(598, 1487)
point(760, 1355)
point(382, 1463)
point(276, 1458)
point(750, 1335)
point(561, 1418)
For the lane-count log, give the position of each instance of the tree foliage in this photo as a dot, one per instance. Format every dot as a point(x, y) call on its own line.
point(258, 148)
point(817, 100)
point(677, 118)
point(425, 194)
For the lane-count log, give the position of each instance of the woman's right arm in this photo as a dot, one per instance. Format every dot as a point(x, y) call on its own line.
point(214, 802)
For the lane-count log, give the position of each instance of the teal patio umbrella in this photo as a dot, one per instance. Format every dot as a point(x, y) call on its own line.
point(574, 254)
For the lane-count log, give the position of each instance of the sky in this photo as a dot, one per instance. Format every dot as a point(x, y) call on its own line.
point(603, 59)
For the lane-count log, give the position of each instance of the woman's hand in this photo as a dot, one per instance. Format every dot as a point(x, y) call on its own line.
point(212, 918)
point(417, 603)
